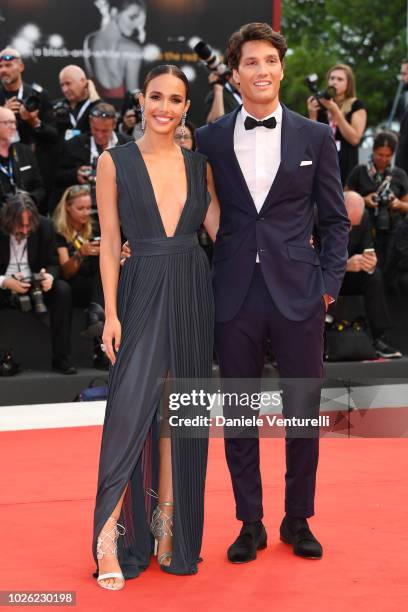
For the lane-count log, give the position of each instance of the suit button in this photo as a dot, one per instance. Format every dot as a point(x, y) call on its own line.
point(262, 250)
point(261, 219)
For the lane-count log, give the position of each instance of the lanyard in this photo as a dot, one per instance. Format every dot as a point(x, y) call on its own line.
point(75, 121)
point(94, 149)
point(8, 172)
point(20, 92)
point(19, 261)
point(333, 124)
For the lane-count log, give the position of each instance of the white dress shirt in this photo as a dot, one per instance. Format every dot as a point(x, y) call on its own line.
point(259, 154)
point(18, 259)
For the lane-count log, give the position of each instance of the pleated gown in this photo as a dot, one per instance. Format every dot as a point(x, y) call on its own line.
point(165, 305)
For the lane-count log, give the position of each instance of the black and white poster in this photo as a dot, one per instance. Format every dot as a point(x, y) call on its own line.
point(116, 42)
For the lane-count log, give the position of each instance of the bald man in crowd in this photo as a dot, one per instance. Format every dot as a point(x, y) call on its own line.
point(80, 96)
point(363, 277)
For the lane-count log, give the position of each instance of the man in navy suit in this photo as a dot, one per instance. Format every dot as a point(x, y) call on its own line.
point(271, 168)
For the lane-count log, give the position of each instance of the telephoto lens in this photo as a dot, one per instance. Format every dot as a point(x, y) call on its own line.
point(214, 63)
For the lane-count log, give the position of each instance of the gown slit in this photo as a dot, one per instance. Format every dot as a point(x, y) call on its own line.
point(165, 306)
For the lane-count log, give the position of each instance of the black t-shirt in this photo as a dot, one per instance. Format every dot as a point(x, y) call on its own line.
point(348, 153)
point(359, 180)
point(88, 265)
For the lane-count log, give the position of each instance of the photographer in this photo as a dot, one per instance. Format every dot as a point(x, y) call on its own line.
point(80, 154)
point(29, 273)
point(130, 123)
point(385, 192)
point(18, 166)
point(345, 114)
point(80, 96)
point(31, 105)
point(363, 277)
point(78, 254)
point(223, 98)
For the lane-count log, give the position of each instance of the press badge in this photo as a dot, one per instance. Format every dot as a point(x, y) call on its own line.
point(71, 133)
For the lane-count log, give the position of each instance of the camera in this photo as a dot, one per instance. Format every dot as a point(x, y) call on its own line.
point(135, 107)
point(61, 111)
point(214, 63)
point(383, 197)
point(327, 94)
point(32, 102)
point(90, 173)
point(34, 299)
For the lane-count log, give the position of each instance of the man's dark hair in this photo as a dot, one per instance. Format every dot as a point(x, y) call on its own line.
point(13, 209)
point(253, 31)
point(386, 139)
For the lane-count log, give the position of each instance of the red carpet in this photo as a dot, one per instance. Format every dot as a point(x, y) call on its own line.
point(48, 480)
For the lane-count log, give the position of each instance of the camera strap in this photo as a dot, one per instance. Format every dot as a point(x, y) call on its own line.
point(75, 120)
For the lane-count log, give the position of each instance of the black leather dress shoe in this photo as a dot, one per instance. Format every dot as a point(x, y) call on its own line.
point(252, 537)
point(295, 531)
point(63, 365)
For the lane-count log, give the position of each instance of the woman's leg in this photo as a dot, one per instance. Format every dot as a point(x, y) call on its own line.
point(165, 493)
point(165, 496)
point(109, 562)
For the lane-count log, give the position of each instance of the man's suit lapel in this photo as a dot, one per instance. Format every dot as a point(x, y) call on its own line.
point(292, 149)
point(230, 121)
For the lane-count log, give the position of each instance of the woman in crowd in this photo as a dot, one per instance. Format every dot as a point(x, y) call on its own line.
point(78, 254)
point(385, 192)
point(345, 114)
point(159, 325)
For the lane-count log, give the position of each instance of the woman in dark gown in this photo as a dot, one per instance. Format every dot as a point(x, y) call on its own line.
point(159, 325)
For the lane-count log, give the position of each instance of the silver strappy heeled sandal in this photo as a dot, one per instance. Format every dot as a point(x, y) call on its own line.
point(107, 545)
point(161, 527)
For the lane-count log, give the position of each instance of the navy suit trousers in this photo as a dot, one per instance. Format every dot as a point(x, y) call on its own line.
point(298, 348)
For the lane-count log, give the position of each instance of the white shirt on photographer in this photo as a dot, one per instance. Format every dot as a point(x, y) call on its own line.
point(18, 260)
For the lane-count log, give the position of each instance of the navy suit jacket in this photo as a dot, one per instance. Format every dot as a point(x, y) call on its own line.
point(296, 274)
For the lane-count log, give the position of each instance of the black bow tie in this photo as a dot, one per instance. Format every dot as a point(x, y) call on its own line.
point(251, 123)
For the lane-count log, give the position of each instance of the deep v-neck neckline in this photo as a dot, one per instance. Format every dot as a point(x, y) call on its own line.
point(153, 194)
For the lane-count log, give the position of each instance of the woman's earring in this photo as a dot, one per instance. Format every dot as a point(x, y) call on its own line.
point(183, 125)
point(142, 111)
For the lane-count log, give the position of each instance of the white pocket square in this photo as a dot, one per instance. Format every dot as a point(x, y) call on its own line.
point(306, 162)
point(24, 168)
